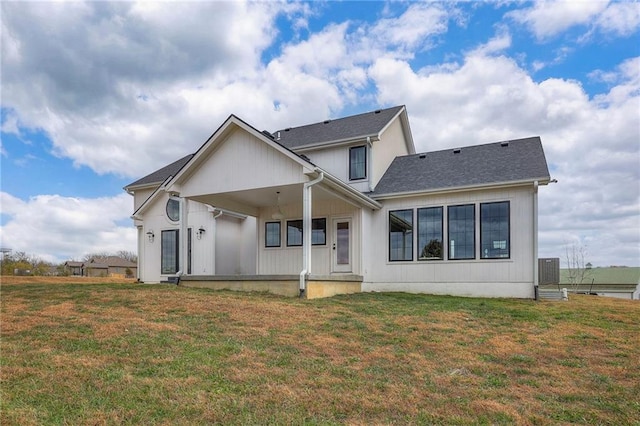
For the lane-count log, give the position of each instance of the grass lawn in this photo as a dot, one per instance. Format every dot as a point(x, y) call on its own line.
point(132, 353)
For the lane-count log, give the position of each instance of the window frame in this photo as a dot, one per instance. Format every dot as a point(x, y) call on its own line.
point(418, 228)
point(314, 221)
point(351, 163)
point(301, 228)
point(313, 228)
point(412, 210)
point(171, 201)
point(508, 239)
point(169, 269)
point(473, 227)
point(266, 226)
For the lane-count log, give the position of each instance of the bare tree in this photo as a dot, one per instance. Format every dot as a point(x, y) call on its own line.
point(127, 255)
point(577, 270)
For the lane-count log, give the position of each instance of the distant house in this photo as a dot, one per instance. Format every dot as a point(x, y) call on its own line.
point(73, 268)
point(621, 282)
point(111, 266)
point(343, 206)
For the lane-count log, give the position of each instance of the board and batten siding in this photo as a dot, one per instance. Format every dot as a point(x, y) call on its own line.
point(241, 162)
point(392, 144)
point(288, 260)
point(511, 277)
point(140, 196)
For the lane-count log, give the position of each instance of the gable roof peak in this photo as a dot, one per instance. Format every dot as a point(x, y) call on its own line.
point(352, 127)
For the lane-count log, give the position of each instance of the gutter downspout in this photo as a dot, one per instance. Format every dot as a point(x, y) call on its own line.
point(306, 230)
point(535, 240)
point(369, 165)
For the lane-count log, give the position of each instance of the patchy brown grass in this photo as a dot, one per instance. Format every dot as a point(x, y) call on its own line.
point(111, 353)
point(14, 279)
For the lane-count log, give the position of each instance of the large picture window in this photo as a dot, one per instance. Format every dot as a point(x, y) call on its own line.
point(401, 235)
point(430, 234)
point(494, 230)
point(461, 225)
point(357, 162)
point(294, 233)
point(272, 234)
point(169, 257)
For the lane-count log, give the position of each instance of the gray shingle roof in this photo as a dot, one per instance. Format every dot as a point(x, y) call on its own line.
point(499, 162)
point(355, 126)
point(162, 174)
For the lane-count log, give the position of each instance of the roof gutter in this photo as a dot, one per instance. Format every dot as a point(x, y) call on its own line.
point(342, 187)
point(302, 148)
point(392, 195)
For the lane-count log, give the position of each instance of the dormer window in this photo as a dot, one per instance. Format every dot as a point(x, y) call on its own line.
point(358, 162)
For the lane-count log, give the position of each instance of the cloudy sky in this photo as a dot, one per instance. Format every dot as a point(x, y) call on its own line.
point(97, 94)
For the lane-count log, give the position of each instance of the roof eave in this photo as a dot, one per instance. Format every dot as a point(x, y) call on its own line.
point(541, 181)
point(349, 191)
point(151, 185)
point(338, 142)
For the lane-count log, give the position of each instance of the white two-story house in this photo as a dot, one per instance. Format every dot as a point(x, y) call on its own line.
point(343, 206)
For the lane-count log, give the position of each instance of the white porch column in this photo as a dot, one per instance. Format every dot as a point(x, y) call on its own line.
point(306, 230)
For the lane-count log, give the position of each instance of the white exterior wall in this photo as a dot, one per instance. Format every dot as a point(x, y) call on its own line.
point(140, 196)
point(288, 260)
point(391, 145)
point(241, 162)
point(336, 161)
point(227, 242)
point(235, 246)
point(479, 277)
point(203, 250)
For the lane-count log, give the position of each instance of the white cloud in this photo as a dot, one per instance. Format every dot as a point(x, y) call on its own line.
point(56, 228)
point(549, 18)
point(621, 19)
point(411, 31)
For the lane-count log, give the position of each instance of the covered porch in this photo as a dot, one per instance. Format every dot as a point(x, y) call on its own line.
point(309, 233)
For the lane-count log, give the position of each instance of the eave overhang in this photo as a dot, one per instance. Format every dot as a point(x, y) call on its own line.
point(435, 191)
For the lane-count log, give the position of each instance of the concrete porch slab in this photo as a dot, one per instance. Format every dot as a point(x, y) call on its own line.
point(318, 286)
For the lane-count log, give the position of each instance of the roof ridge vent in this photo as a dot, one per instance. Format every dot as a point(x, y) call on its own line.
point(378, 111)
point(287, 129)
point(423, 155)
point(457, 151)
point(327, 121)
point(504, 144)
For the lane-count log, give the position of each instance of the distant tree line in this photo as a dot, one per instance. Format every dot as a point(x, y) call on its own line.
point(24, 263)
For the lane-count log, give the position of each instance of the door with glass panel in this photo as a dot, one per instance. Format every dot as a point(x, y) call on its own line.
point(341, 248)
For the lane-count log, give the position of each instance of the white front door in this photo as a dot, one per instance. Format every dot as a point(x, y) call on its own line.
point(341, 245)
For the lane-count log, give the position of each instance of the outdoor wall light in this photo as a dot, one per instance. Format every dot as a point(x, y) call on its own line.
point(201, 231)
point(150, 235)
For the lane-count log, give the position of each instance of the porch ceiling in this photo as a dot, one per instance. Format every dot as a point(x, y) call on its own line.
point(250, 201)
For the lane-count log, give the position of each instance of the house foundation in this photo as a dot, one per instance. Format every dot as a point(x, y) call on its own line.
point(318, 286)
